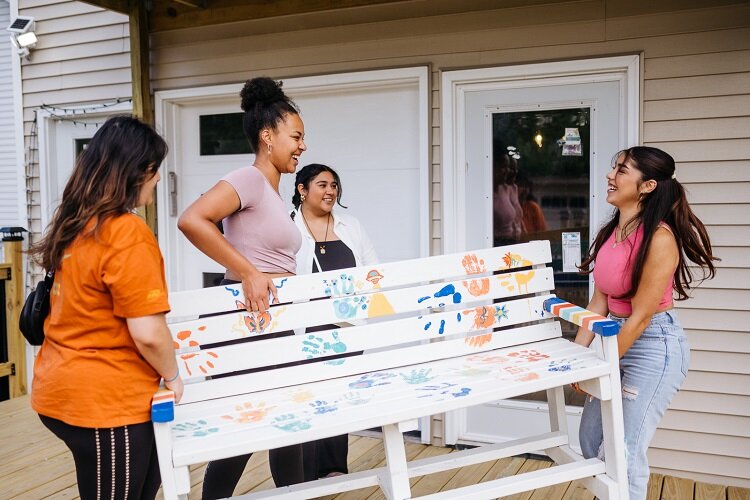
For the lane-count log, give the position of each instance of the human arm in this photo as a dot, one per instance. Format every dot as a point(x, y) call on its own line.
point(662, 258)
point(154, 342)
point(198, 224)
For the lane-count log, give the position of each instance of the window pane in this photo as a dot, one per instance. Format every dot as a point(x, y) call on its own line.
point(223, 135)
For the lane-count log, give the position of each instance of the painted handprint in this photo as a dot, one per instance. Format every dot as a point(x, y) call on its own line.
point(472, 265)
point(529, 355)
point(247, 413)
point(199, 428)
point(301, 396)
point(323, 407)
point(338, 287)
point(314, 346)
point(355, 398)
point(289, 422)
point(417, 376)
point(204, 360)
point(372, 380)
point(346, 308)
point(561, 365)
point(441, 391)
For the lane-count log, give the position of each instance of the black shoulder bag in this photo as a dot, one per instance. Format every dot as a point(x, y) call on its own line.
point(35, 311)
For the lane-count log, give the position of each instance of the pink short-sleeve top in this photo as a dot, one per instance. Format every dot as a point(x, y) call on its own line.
point(261, 229)
point(612, 272)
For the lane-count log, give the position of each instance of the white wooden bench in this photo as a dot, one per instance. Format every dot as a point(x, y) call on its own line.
point(432, 349)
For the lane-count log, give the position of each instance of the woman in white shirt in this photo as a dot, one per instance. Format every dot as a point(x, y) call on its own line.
point(329, 241)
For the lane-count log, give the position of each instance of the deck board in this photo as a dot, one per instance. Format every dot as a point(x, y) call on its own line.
point(34, 464)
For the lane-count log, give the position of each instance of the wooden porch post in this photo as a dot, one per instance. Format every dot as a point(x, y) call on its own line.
point(143, 107)
point(14, 294)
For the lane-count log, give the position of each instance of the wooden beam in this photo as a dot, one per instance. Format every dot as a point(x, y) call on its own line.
point(121, 6)
point(143, 106)
point(14, 294)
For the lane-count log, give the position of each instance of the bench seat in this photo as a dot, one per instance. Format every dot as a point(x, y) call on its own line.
point(269, 419)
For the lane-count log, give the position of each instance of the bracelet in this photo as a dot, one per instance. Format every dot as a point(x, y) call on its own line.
point(168, 380)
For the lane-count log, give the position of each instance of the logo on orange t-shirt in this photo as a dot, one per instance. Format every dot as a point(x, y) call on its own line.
point(154, 295)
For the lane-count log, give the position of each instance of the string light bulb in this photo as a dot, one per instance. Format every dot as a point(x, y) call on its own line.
point(538, 139)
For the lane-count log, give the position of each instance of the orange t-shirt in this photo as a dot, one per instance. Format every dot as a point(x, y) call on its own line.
point(88, 372)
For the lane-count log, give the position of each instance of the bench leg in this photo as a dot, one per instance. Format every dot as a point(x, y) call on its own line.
point(396, 483)
point(615, 454)
point(558, 420)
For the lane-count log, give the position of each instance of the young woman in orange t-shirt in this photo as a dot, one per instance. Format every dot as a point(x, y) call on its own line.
point(107, 345)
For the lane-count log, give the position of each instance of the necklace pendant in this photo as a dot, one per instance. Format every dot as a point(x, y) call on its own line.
point(322, 249)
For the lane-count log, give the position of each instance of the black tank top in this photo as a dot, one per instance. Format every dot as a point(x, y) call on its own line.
point(337, 256)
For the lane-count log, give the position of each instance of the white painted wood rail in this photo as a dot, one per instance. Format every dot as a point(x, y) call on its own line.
point(427, 336)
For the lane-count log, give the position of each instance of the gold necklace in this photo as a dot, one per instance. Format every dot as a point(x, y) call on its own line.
point(321, 246)
point(623, 236)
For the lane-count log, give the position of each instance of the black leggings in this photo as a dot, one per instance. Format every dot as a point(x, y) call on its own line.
point(111, 463)
point(223, 475)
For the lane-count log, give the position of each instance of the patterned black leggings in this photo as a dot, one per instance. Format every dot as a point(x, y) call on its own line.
point(111, 463)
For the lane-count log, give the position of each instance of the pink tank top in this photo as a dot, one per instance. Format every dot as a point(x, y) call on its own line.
point(612, 271)
point(261, 229)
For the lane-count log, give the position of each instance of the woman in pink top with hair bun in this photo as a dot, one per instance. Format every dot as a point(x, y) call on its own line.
point(639, 257)
point(260, 241)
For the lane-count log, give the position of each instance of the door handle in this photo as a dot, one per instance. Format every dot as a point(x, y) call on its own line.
point(172, 186)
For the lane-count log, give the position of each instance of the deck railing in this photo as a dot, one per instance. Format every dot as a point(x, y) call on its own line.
point(13, 360)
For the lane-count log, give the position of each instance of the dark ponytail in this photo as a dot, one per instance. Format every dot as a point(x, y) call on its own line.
point(667, 203)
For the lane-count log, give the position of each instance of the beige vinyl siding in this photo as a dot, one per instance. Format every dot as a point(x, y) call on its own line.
point(695, 104)
point(9, 176)
point(82, 58)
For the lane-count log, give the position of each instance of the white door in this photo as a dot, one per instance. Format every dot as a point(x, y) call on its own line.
point(370, 127)
point(63, 134)
point(551, 141)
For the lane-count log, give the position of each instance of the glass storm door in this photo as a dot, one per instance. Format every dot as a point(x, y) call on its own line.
point(536, 164)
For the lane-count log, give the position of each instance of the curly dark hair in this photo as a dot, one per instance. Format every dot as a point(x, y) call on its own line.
point(265, 105)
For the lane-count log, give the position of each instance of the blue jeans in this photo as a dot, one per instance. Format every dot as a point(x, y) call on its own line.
point(651, 373)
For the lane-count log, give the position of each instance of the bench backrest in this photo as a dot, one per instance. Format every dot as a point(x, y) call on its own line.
point(398, 313)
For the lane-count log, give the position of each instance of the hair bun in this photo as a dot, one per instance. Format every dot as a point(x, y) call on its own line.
point(263, 90)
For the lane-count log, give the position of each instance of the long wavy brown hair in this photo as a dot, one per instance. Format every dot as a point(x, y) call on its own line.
point(106, 182)
point(667, 203)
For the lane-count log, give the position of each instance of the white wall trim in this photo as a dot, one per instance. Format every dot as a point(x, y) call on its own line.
point(455, 86)
point(45, 130)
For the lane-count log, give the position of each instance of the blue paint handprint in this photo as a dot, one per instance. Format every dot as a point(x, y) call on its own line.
point(559, 366)
point(316, 346)
point(371, 380)
point(417, 376)
point(338, 287)
point(347, 308)
point(289, 422)
point(199, 428)
point(440, 391)
point(323, 407)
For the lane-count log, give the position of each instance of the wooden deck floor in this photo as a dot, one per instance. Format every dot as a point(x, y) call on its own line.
point(34, 465)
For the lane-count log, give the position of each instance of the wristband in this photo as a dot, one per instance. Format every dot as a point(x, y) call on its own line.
point(168, 380)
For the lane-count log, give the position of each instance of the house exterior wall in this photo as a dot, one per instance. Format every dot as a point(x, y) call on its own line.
point(695, 104)
point(82, 57)
point(12, 198)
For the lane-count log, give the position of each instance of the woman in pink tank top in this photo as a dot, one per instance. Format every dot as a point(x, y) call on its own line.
point(639, 258)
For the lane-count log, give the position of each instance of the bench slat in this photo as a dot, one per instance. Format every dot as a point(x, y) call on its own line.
point(285, 416)
point(190, 335)
point(193, 303)
point(477, 320)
